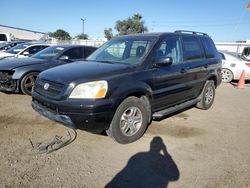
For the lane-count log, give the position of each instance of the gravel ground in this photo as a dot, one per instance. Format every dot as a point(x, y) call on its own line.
point(195, 148)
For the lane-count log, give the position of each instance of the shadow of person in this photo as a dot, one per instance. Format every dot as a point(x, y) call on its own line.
point(154, 168)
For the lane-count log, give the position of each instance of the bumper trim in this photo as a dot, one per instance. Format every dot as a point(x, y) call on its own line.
point(63, 119)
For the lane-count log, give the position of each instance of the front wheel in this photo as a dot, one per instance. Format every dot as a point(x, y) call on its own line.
point(207, 96)
point(129, 122)
point(28, 82)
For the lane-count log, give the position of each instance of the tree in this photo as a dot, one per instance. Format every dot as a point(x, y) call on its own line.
point(131, 25)
point(61, 35)
point(108, 33)
point(82, 36)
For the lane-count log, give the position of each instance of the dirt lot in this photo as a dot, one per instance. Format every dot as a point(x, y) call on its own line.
point(207, 149)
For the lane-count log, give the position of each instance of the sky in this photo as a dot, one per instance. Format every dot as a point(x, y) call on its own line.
point(223, 20)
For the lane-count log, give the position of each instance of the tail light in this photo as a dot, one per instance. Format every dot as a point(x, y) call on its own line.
point(248, 64)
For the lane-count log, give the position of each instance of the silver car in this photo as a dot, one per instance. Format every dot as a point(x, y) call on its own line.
point(232, 66)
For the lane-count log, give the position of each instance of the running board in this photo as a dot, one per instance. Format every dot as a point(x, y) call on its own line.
point(176, 108)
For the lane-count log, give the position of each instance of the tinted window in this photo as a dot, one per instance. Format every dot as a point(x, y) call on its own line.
point(3, 37)
point(192, 49)
point(75, 53)
point(209, 47)
point(170, 47)
point(88, 51)
point(246, 51)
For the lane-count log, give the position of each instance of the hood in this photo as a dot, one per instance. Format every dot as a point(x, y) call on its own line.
point(19, 62)
point(83, 71)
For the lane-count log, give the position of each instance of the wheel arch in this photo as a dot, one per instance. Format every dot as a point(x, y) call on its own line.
point(143, 94)
point(214, 78)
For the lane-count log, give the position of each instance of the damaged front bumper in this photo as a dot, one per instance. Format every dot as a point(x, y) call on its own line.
point(7, 83)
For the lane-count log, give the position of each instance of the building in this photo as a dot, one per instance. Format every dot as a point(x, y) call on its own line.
point(21, 34)
point(237, 47)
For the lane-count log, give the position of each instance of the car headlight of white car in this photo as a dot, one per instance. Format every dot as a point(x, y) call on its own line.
point(90, 90)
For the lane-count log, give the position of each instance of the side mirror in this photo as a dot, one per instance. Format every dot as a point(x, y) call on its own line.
point(162, 62)
point(64, 57)
point(26, 53)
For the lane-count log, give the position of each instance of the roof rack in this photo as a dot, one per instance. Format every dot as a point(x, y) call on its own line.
point(192, 32)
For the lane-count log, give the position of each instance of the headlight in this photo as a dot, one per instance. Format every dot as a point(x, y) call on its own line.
point(90, 90)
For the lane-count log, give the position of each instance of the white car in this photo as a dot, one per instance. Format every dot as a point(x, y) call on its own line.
point(22, 50)
point(232, 66)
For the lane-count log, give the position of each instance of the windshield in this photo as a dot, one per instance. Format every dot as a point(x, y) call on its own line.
point(127, 51)
point(48, 53)
point(17, 48)
point(232, 56)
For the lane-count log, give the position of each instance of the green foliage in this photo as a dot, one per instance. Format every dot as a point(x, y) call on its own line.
point(108, 33)
point(131, 25)
point(82, 36)
point(61, 35)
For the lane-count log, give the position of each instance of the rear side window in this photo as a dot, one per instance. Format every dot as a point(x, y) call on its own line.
point(192, 49)
point(210, 49)
point(88, 51)
point(75, 53)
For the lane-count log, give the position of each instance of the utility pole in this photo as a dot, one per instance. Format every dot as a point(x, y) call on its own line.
point(83, 20)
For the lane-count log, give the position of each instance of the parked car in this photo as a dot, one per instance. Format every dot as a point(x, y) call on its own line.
point(129, 81)
point(232, 66)
point(20, 74)
point(23, 50)
point(7, 45)
point(246, 54)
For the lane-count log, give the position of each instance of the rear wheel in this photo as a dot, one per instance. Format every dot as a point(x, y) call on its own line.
point(129, 122)
point(227, 75)
point(28, 82)
point(207, 96)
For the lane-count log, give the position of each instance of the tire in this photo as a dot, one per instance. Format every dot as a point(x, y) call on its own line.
point(28, 82)
point(227, 75)
point(207, 96)
point(129, 122)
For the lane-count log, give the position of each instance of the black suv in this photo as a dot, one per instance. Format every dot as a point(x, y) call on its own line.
point(129, 81)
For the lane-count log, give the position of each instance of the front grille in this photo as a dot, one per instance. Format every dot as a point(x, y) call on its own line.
point(48, 106)
point(53, 91)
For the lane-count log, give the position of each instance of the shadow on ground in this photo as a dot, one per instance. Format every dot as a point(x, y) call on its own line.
point(154, 168)
point(235, 83)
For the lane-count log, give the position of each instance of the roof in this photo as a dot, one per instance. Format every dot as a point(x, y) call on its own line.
point(71, 45)
point(22, 29)
point(159, 34)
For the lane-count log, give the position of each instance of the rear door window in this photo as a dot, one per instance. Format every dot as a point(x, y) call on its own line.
point(209, 47)
point(75, 53)
point(192, 49)
point(88, 51)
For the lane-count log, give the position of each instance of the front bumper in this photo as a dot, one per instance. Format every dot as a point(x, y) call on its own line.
point(89, 115)
point(7, 83)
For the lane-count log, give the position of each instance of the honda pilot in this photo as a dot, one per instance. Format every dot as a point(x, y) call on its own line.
point(130, 81)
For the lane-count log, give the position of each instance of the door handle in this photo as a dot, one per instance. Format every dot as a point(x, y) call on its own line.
point(183, 70)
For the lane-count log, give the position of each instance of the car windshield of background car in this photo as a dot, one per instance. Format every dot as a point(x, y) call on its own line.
point(17, 48)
